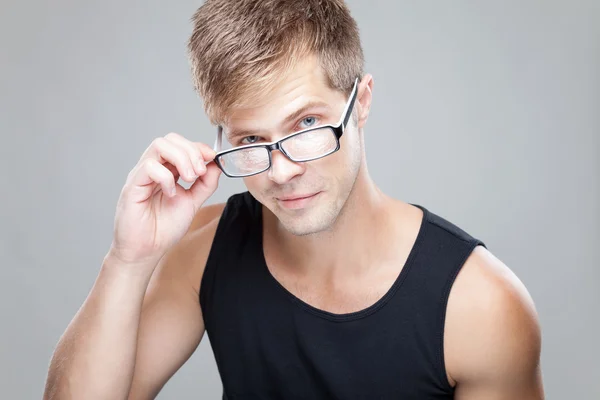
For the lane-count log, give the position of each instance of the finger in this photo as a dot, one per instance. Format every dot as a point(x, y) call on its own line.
point(205, 186)
point(150, 174)
point(173, 170)
point(193, 151)
point(207, 152)
point(164, 150)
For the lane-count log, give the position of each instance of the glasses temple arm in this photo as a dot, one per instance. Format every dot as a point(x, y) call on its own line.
point(348, 111)
point(217, 145)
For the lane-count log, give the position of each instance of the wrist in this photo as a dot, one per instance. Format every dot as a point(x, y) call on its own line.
point(131, 269)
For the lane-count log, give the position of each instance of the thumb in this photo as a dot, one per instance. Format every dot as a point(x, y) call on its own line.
point(205, 185)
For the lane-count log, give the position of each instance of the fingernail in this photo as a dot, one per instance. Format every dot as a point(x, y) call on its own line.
point(173, 191)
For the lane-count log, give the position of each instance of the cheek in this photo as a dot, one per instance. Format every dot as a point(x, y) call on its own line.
point(259, 187)
point(353, 146)
point(253, 183)
point(330, 172)
point(345, 158)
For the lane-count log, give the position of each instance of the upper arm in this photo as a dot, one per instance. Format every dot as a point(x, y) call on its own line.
point(171, 324)
point(492, 338)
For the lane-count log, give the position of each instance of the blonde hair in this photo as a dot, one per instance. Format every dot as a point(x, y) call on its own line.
point(239, 49)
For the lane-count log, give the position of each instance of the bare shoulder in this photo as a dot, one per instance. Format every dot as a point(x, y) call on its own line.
point(185, 262)
point(206, 215)
point(492, 337)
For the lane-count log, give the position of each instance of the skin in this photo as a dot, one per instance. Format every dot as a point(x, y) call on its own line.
point(492, 337)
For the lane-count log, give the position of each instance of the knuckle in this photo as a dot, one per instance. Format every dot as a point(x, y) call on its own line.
point(158, 142)
point(163, 177)
point(172, 135)
point(150, 169)
point(147, 164)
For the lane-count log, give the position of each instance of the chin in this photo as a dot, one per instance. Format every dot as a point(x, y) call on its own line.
point(303, 229)
point(309, 222)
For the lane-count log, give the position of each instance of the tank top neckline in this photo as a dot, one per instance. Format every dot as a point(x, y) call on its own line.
point(355, 315)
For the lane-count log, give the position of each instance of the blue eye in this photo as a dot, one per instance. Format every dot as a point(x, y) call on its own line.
point(249, 139)
point(310, 122)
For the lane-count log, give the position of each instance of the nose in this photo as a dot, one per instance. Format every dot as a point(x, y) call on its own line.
point(283, 169)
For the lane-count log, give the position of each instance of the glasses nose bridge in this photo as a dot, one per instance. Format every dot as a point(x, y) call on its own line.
point(277, 146)
point(274, 146)
point(283, 169)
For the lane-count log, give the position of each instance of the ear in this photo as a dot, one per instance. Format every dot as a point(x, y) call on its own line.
point(364, 97)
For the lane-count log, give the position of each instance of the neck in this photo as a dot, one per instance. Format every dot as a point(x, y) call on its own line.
point(350, 246)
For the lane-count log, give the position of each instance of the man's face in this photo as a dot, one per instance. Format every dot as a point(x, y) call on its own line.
point(284, 188)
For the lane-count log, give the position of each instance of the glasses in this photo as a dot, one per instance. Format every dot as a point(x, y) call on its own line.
point(305, 145)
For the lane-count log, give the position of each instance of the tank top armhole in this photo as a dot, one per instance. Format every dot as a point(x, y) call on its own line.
point(472, 244)
point(216, 246)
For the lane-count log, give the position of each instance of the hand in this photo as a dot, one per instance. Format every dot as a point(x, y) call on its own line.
point(153, 210)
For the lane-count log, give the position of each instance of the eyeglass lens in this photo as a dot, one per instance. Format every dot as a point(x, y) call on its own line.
point(305, 146)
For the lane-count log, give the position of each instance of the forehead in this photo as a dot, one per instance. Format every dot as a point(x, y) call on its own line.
point(304, 84)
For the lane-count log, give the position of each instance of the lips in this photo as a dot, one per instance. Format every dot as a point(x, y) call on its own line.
point(295, 197)
point(297, 201)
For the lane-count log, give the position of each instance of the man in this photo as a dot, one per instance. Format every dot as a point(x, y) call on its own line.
point(313, 284)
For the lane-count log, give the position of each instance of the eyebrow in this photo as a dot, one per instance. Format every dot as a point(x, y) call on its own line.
point(313, 104)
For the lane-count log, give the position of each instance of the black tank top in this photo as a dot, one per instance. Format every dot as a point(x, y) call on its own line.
point(269, 344)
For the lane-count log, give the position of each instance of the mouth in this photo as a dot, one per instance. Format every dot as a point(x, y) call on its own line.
point(294, 202)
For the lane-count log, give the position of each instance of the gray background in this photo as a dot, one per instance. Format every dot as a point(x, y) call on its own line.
point(487, 113)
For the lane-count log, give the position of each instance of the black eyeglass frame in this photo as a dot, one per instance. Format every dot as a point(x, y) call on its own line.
point(338, 130)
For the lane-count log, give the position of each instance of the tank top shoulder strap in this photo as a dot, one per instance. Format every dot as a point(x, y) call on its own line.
point(442, 252)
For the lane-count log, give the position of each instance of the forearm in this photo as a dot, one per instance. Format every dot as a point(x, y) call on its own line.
point(95, 357)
